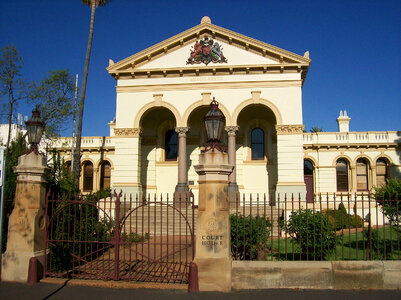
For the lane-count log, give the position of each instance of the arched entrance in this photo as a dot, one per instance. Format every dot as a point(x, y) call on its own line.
point(158, 151)
point(256, 149)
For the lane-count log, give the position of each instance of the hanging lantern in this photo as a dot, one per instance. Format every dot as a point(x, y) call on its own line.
point(35, 127)
point(214, 123)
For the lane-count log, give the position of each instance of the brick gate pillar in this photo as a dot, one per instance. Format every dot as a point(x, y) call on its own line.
point(213, 246)
point(26, 225)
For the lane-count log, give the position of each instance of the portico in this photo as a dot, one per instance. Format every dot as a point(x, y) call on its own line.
point(164, 92)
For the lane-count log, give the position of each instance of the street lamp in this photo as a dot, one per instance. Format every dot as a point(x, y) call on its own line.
point(35, 127)
point(214, 123)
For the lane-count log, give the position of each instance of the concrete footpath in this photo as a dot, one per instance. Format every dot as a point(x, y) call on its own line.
point(43, 291)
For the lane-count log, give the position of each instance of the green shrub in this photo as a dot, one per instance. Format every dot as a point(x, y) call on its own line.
point(58, 180)
point(389, 199)
point(341, 207)
point(260, 234)
point(313, 231)
point(342, 220)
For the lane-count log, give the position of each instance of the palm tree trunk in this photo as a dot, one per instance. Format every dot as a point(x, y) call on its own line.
point(77, 152)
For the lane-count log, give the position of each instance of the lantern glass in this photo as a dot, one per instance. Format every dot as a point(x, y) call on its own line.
point(35, 127)
point(214, 123)
point(34, 133)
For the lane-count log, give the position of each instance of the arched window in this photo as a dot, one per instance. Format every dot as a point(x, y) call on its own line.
point(257, 144)
point(381, 172)
point(342, 175)
point(88, 177)
point(361, 175)
point(308, 179)
point(171, 145)
point(105, 175)
point(308, 167)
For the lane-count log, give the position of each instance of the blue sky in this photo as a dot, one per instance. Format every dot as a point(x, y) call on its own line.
point(355, 47)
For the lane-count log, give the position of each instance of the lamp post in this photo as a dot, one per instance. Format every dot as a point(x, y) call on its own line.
point(214, 123)
point(27, 221)
point(35, 127)
point(213, 244)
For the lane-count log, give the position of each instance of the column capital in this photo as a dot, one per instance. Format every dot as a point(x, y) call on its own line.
point(231, 129)
point(182, 131)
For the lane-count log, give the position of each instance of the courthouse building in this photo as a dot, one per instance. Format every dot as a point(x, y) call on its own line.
point(164, 92)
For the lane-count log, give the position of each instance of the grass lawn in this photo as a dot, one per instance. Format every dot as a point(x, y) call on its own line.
point(350, 245)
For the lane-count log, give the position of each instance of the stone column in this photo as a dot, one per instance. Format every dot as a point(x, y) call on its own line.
point(232, 160)
point(96, 179)
point(27, 221)
point(352, 184)
point(181, 189)
point(373, 181)
point(213, 245)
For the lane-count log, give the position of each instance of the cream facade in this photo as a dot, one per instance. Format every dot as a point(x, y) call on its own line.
point(164, 92)
point(15, 130)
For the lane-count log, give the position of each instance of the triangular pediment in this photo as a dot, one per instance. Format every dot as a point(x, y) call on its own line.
point(179, 58)
point(234, 52)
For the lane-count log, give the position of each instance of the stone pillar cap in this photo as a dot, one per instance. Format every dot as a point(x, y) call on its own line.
point(214, 169)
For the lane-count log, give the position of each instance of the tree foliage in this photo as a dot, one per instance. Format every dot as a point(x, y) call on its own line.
point(12, 85)
point(96, 2)
point(316, 129)
point(55, 94)
point(17, 147)
point(388, 197)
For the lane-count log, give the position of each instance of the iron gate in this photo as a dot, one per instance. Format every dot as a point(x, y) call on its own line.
point(120, 238)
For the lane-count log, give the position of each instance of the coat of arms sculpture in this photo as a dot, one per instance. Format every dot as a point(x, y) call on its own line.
point(206, 51)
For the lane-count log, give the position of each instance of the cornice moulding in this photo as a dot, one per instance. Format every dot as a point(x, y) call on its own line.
point(196, 70)
point(347, 146)
point(208, 85)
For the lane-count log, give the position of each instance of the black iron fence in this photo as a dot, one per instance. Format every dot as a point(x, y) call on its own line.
point(333, 227)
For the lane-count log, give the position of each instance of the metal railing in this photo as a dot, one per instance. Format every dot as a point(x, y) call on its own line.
point(91, 142)
point(119, 238)
point(333, 227)
point(351, 137)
